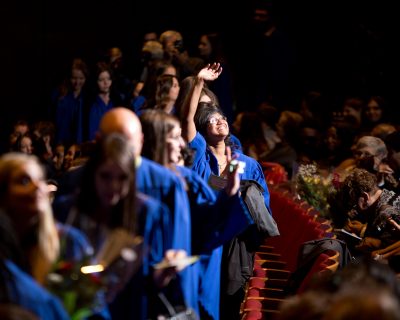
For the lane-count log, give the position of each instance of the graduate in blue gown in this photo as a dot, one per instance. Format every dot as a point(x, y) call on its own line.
point(215, 218)
point(207, 131)
point(68, 102)
point(24, 291)
point(108, 203)
point(160, 183)
point(29, 242)
point(105, 98)
point(153, 180)
point(208, 98)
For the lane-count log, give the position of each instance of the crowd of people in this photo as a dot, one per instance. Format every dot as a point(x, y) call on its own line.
point(143, 179)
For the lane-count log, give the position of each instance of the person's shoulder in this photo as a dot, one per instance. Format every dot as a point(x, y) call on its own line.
point(26, 286)
point(154, 166)
point(190, 175)
point(148, 203)
point(185, 171)
point(156, 172)
point(249, 160)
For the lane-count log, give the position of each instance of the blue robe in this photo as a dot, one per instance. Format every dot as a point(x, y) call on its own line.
point(164, 185)
point(236, 144)
point(96, 112)
point(27, 293)
point(216, 219)
point(206, 164)
point(155, 228)
point(69, 119)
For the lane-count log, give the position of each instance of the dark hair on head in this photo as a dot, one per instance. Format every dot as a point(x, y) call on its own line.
point(392, 141)
point(21, 122)
point(102, 67)
point(164, 84)
point(116, 148)
point(217, 49)
point(188, 156)
point(77, 64)
point(358, 182)
point(379, 100)
point(81, 65)
point(18, 143)
point(268, 114)
point(354, 103)
point(366, 272)
point(156, 125)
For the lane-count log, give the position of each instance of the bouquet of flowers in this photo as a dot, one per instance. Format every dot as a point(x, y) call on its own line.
point(85, 288)
point(315, 188)
point(79, 287)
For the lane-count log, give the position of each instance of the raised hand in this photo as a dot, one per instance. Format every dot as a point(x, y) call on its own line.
point(210, 72)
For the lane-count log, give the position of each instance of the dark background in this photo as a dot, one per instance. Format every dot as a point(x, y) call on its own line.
point(342, 47)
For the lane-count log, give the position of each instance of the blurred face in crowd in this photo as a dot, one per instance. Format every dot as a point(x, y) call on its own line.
point(26, 145)
point(175, 143)
point(27, 192)
point(174, 91)
point(58, 158)
point(112, 183)
point(21, 129)
point(104, 82)
point(78, 80)
point(373, 111)
point(332, 140)
point(367, 158)
point(70, 156)
point(204, 46)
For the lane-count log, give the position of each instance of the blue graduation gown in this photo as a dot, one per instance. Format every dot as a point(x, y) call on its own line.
point(96, 112)
point(164, 185)
point(27, 293)
point(69, 121)
point(216, 219)
point(205, 164)
point(156, 229)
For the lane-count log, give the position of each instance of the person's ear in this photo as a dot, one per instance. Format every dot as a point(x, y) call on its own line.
point(363, 201)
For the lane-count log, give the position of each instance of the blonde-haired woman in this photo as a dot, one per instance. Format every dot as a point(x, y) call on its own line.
point(29, 240)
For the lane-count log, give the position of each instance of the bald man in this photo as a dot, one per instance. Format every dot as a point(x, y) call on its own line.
point(155, 181)
point(162, 184)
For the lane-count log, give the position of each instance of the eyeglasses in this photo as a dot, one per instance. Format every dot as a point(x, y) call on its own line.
point(215, 120)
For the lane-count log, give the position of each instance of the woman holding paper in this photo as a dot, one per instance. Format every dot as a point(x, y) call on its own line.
point(129, 231)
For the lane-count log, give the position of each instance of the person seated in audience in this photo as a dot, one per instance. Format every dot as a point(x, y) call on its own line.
point(176, 52)
point(373, 211)
point(382, 130)
point(23, 143)
point(392, 142)
point(370, 153)
point(365, 289)
point(374, 112)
